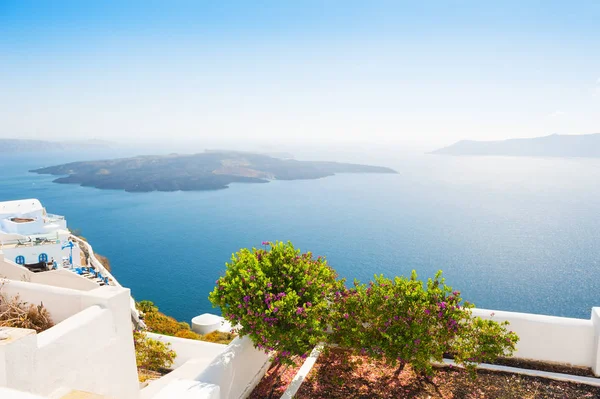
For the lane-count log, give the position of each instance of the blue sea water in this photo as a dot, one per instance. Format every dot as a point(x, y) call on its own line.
point(515, 234)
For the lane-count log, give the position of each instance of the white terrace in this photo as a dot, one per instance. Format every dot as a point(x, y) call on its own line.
point(90, 350)
point(23, 218)
point(31, 236)
point(89, 353)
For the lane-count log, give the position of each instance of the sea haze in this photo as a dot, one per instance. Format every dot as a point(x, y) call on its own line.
point(517, 234)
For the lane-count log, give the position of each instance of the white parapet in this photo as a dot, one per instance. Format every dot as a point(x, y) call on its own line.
point(237, 370)
point(553, 339)
point(89, 349)
point(232, 374)
point(57, 278)
point(188, 349)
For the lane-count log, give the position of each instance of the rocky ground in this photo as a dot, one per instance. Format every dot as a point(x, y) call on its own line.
point(339, 374)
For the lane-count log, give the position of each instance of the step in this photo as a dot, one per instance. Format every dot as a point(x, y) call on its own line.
point(84, 395)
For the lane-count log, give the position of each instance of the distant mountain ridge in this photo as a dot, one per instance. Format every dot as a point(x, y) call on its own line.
point(555, 145)
point(23, 145)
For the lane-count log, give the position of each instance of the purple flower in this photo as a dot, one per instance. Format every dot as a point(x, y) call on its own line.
point(427, 312)
point(246, 298)
point(266, 243)
point(299, 310)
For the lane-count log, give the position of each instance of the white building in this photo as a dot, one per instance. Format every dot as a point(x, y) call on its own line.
point(89, 353)
point(29, 235)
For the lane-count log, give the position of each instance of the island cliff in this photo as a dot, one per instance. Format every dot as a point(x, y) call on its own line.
point(204, 171)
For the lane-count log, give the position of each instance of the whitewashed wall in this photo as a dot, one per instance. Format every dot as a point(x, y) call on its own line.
point(553, 339)
point(62, 303)
point(25, 228)
point(237, 370)
point(90, 349)
point(31, 253)
point(188, 349)
point(233, 374)
point(57, 278)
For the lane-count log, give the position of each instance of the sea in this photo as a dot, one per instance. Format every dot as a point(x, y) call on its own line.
point(516, 234)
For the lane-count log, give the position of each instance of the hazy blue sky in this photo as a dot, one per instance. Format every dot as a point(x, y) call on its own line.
point(389, 71)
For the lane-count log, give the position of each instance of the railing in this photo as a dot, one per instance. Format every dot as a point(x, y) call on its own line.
point(32, 243)
point(135, 315)
point(95, 262)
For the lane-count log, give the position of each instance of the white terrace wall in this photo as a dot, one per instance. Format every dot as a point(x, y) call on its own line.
point(237, 370)
point(233, 374)
point(553, 339)
point(188, 349)
point(90, 349)
point(31, 253)
point(57, 278)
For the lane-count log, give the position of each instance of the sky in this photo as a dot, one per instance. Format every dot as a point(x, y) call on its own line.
point(386, 72)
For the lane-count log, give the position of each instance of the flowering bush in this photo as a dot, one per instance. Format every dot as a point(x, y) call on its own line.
point(403, 322)
point(188, 334)
point(159, 323)
point(151, 354)
point(219, 337)
point(279, 296)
